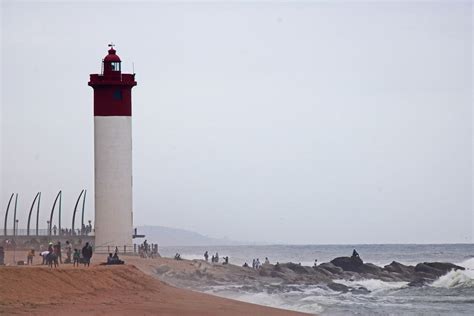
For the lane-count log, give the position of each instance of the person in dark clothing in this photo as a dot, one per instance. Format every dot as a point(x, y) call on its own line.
point(355, 254)
point(87, 254)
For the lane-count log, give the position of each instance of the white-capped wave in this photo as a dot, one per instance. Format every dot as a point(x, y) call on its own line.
point(458, 278)
point(468, 264)
point(293, 300)
point(373, 285)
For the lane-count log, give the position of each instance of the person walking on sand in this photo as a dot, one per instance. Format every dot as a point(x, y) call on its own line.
point(87, 254)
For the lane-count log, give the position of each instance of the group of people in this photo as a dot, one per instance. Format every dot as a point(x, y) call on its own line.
point(114, 259)
point(146, 250)
point(215, 258)
point(256, 263)
point(53, 256)
point(84, 230)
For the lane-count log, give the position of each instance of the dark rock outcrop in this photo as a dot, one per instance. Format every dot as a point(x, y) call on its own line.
point(338, 287)
point(436, 269)
point(348, 263)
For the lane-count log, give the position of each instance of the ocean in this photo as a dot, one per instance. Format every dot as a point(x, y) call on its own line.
point(451, 294)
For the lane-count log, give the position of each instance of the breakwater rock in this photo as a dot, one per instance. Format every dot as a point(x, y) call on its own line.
point(199, 274)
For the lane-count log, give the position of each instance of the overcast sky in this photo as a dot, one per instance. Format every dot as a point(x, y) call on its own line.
point(308, 122)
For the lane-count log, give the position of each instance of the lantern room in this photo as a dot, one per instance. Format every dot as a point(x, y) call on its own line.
point(111, 63)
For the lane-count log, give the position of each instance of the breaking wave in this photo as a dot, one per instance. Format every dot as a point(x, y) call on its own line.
point(373, 285)
point(458, 278)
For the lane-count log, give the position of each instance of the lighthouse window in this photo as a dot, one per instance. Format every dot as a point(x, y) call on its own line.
point(115, 66)
point(118, 94)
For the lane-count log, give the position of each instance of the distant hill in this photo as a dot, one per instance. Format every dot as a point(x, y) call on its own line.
point(166, 236)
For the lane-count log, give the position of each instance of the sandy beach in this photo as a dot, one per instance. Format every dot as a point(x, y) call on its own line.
point(105, 290)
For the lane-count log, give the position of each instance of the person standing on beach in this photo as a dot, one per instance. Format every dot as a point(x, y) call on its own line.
point(68, 252)
point(58, 252)
point(76, 258)
point(87, 254)
point(29, 257)
point(206, 255)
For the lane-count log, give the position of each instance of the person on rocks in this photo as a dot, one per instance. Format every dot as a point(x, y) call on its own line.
point(355, 254)
point(87, 254)
point(245, 265)
point(217, 257)
point(226, 260)
point(315, 263)
point(267, 261)
point(206, 255)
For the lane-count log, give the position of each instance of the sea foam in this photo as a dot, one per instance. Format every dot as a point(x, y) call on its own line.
point(373, 285)
point(458, 278)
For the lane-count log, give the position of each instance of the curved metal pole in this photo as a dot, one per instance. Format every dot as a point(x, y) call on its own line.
point(75, 209)
point(14, 215)
point(83, 207)
point(6, 214)
point(29, 214)
point(52, 211)
point(38, 215)
point(60, 203)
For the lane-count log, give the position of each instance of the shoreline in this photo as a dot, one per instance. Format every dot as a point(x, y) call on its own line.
point(119, 290)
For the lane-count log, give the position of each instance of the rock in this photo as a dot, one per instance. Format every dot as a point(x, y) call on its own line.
point(354, 264)
point(327, 266)
point(297, 268)
point(360, 291)
point(398, 267)
point(436, 269)
point(418, 282)
point(338, 287)
point(370, 269)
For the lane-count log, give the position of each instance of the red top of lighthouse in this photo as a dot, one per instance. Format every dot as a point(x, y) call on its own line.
point(112, 88)
point(112, 56)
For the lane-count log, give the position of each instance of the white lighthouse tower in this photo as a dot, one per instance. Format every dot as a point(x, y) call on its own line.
point(113, 155)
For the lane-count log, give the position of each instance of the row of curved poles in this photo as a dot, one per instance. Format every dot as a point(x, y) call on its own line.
point(38, 198)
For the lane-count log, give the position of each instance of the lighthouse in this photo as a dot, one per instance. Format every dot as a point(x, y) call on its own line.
point(113, 154)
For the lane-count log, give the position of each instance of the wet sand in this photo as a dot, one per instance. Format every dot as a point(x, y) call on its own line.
point(108, 290)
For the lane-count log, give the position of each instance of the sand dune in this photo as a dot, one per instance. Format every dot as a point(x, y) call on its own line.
point(107, 290)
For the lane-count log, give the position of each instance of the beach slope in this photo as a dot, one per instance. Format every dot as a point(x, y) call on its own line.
point(107, 290)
